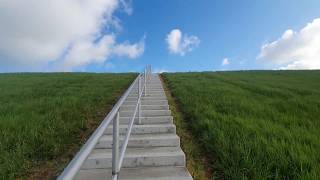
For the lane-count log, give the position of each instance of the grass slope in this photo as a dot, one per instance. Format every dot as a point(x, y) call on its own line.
point(259, 124)
point(43, 115)
point(195, 161)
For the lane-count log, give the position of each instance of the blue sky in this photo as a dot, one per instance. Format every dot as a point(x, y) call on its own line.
point(230, 29)
point(227, 29)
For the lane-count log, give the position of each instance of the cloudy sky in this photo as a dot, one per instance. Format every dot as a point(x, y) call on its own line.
point(171, 35)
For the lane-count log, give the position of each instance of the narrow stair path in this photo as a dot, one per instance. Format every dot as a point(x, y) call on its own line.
point(154, 149)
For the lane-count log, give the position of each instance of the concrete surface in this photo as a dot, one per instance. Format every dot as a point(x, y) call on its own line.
point(153, 151)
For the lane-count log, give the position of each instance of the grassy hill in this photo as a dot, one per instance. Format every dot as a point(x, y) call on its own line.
point(255, 124)
point(44, 118)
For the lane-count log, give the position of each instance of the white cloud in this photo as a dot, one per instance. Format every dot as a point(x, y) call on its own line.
point(295, 50)
point(86, 52)
point(130, 50)
point(127, 6)
point(159, 70)
point(34, 33)
point(225, 62)
point(181, 44)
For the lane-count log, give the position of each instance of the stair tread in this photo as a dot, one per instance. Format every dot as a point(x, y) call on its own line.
point(142, 136)
point(145, 128)
point(149, 110)
point(149, 120)
point(144, 125)
point(142, 140)
point(138, 152)
point(144, 173)
point(150, 117)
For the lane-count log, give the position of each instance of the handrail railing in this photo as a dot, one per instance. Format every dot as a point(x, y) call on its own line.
point(74, 166)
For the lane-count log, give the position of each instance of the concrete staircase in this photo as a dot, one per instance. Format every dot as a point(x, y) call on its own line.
point(153, 150)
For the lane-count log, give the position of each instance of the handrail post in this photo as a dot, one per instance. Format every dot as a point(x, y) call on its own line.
point(115, 147)
point(145, 82)
point(139, 100)
point(150, 73)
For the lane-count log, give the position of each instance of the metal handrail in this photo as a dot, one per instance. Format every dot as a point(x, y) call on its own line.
point(74, 166)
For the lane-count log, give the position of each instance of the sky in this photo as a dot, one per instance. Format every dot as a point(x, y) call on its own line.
point(170, 35)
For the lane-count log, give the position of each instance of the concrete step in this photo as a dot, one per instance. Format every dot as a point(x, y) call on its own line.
point(157, 94)
point(150, 92)
point(145, 107)
point(146, 102)
point(149, 87)
point(154, 89)
point(149, 120)
point(154, 86)
point(146, 113)
point(147, 98)
point(144, 129)
point(144, 173)
point(142, 140)
point(137, 157)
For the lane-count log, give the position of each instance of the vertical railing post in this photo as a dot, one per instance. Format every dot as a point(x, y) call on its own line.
point(115, 147)
point(139, 100)
point(150, 74)
point(145, 82)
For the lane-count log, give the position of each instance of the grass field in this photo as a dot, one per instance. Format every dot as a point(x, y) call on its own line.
point(43, 116)
point(195, 162)
point(256, 124)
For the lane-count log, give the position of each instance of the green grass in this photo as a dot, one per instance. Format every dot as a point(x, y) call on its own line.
point(195, 162)
point(43, 115)
point(257, 124)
